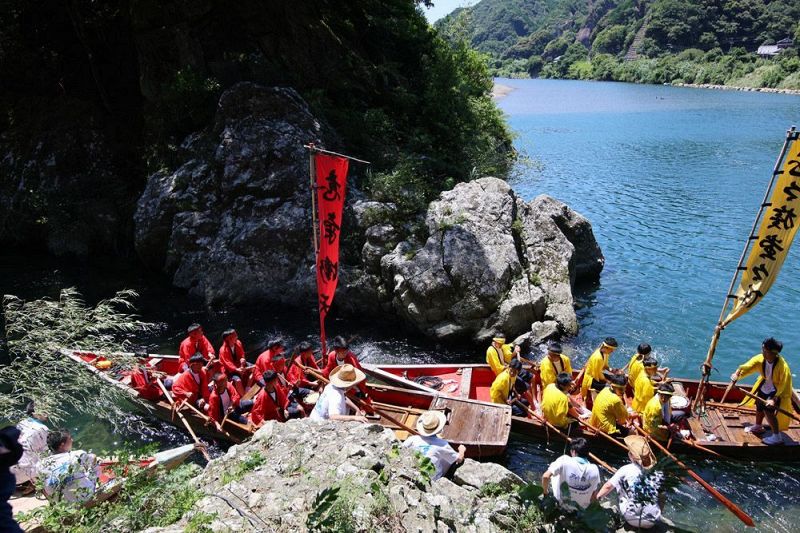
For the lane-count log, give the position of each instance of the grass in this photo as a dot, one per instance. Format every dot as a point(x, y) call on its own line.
point(253, 461)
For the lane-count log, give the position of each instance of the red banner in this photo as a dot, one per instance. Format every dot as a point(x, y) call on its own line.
point(331, 178)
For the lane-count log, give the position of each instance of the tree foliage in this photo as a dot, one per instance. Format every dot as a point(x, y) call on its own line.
point(37, 330)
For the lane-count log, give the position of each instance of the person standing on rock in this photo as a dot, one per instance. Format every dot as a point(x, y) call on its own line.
point(638, 485)
point(341, 355)
point(196, 342)
point(581, 477)
point(499, 354)
point(429, 425)
point(332, 404)
point(593, 378)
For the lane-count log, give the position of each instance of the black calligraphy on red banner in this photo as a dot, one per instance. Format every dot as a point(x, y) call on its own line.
point(331, 182)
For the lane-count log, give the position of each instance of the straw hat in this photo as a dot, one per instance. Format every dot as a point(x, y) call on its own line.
point(345, 376)
point(640, 451)
point(431, 423)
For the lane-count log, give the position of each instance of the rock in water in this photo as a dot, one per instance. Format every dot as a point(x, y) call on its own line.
point(493, 262)
point(326, 476)
point(232, 223)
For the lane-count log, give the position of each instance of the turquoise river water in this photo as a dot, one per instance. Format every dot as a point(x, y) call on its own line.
point(670, 178)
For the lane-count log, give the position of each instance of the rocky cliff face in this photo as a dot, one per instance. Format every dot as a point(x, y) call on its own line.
point(305, 475)
point(232, 225)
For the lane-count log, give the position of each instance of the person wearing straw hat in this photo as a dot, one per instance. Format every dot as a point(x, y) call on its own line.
point(638, 485)
point(580, 476)
point(332, 403)
point(429, 425)
point(593, 378)
point(499, 354)
point(609, 412)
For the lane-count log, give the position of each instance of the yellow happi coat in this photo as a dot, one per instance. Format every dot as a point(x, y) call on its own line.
point(635, 367)
point(548, 372)
point(781, 377)
point(652, 418)
point(608, 411)
point(643, 390)
point(493, 357)
point(555, 406)
point(594, 370)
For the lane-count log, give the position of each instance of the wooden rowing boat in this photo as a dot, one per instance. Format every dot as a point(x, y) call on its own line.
point(109, 484)
point(483, 428)
point(726, 424)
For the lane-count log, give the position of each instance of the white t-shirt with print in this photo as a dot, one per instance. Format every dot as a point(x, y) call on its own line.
point(581, 477)
point(70, 476)
point(638, 494)
point(438, 450)
point(332, 401)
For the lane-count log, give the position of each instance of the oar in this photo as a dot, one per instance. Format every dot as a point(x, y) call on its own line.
point(727, 390)
point(563, 435)
point(249, 395)
point(742, 408)
point(744, 517)
point(207, 419)
point(183, 419)
point(603, 434)
point(779, 409)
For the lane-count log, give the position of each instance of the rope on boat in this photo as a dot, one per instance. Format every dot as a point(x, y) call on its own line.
point(432, 382)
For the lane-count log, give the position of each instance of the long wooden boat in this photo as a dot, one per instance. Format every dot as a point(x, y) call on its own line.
point(483, 428)
point(720, 428)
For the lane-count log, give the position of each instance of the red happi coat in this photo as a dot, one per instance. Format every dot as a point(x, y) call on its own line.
point(264, 363)
point(215, 410)
point(296, 376)
point(230, 359)
point(145, 385)
point(185, 387)
point(189, 347)
point(266, 409)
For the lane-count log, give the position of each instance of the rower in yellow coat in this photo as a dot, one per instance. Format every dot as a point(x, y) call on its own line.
point(643, 389)
point(774, 384)
point(657, 411)
point(635, 364)
point(499, 354)
point(556, 403)
point(503, 384)
point(554, 363)
point(609, 412)
point(593, 377)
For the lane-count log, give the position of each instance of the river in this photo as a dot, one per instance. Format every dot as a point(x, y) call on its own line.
point(669, 177)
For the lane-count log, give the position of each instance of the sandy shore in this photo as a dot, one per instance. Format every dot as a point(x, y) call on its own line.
point(731, 88)
point(499, 90)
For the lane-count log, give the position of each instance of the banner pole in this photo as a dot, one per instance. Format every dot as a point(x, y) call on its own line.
point(312, 177)
point(706, 368)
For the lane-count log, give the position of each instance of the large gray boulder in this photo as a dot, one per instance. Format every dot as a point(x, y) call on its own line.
point(493, 262)
point(232, 224)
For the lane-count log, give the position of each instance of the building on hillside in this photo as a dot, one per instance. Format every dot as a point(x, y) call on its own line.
point(771, 50)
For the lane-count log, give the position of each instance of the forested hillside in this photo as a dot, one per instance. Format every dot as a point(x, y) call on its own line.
point(651, 41)
point(96, 96)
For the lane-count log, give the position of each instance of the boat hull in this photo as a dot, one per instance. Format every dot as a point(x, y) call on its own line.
point(725, 423)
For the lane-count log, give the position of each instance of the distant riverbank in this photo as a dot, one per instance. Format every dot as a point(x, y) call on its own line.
point(733, 88)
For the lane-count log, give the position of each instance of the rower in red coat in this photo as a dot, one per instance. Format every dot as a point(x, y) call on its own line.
point(192, 384)
point(144, 383)
point(304, 357)
point(275, 347)
point(342, 355)
point(196, 342)
point(271, 403)
point(225, 400)
point(233, 361)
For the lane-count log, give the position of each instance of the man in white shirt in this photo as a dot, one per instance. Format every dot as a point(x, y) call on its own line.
point(435, 448)
point(638, 486)
point(69, 475)
point(33, 438)
point(332, 403)
point(580, 476)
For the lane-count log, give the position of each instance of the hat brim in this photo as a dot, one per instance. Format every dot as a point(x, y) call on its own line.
point(441, 422)
point(340, 383)
point(646, 460)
